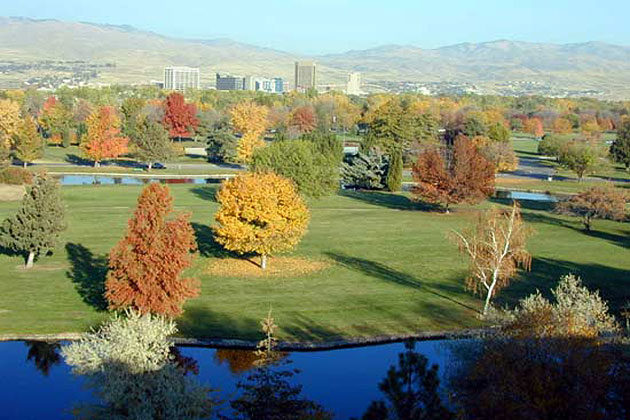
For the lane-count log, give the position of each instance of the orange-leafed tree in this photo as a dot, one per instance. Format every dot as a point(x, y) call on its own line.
point(180, 118)
point(534, 126)
point(496, 247)
point(303, 120)
point(599, 202)
point(453, 175)
point(103, 139)
point(250, 120)
point(562, 126)
point(260, 213)
point(145, 267)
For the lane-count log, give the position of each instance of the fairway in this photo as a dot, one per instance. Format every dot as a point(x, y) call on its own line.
point(392, 269)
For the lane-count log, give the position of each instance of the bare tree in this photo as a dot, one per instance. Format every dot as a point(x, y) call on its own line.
point(496, 248)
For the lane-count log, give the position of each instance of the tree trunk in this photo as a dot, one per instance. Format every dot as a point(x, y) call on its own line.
point(25, 164)
point(31, 258)
point(97, 164)
point(263, 261)
point(587, 223)
point(487, 303)
point(149, 166)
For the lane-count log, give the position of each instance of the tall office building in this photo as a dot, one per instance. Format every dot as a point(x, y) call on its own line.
point(353, 86)
point(228, 82)
point(305, 75)
point(181, 78)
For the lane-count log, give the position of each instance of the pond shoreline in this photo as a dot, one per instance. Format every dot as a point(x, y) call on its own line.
point(282, 345)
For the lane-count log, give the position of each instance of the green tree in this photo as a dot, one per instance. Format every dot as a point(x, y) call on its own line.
point(551, 145)
point(499, 133)
point(130, 109)
point(34, 230)
point(395, 171)
point(620, 149)
point(222, 146)
point(27, 141)
point(316, 174)
point(151, 142)
point(579, 157)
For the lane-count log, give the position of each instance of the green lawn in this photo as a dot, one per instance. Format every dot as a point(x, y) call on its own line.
point(393, 269)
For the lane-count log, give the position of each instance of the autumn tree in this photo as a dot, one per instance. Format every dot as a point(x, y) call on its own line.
point(104, 140)
point(56, 119)
point(303, 120)
point(499, 133)
point(150, 141)
point(496, 247)
point(180, 118)
point(534, 127)
point(36, 227)
point(9, 120)
point(449, 176)
point(501, 155)
point(145, 266)
point(620, 149)
point(250, 120)
point(600, 202)
point(562, 126)
point(27, 141)
point(260, 213)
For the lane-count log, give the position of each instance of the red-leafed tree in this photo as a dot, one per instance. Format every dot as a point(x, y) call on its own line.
point(453, 175)
point(103, 139)
point(303, 120)
point(146, 265)
point(180, 118)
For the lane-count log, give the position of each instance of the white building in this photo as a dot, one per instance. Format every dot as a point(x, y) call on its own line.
point(353, 86)
point(181, 78)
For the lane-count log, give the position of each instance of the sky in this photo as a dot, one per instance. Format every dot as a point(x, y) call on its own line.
point(330, 26)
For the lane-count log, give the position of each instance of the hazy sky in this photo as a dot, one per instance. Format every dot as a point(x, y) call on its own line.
point(321, 26)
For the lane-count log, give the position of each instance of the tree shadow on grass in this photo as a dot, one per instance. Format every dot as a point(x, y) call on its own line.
point(78, 160)
point(619, 239)
point(383, 272)
point(613, 283)
point(206, 244)
point(88, 273)
point(200, 322)
point(206, 193)
point(389, 200)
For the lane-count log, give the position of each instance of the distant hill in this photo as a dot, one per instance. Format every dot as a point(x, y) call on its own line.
point(140, 56)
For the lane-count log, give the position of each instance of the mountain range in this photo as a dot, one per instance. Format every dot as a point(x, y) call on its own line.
point(140, 56)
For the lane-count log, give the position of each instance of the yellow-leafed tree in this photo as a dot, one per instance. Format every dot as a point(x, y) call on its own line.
point(250, 120)
point(260, 213)
point(9, 120)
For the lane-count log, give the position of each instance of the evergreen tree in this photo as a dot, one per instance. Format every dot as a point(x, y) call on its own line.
point(34, 230)
point(367, 171)
point(27, 141)
point(395, 172)
point(151, 142)
point(620, 149)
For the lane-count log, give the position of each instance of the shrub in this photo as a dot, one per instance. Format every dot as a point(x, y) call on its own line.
point(16, 176)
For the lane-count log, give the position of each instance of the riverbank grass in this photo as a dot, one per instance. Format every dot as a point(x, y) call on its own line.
point(391, 269)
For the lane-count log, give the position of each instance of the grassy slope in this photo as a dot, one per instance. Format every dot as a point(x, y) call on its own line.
point(394, 270)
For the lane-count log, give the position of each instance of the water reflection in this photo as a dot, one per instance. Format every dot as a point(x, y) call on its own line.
point(410, 390)
point(44, 355)
point(130, 180)
point(267, 393)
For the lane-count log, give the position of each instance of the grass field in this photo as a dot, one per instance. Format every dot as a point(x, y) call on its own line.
point(392, 269)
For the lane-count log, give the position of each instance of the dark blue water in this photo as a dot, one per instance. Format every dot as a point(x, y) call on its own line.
point(129, 180)
point(342, 381)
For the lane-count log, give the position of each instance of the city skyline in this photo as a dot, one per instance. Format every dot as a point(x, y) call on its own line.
point(338, 26)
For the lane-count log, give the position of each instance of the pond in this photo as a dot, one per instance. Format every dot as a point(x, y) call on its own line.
point(130, 180)
point(525, 195)
point(37, 383)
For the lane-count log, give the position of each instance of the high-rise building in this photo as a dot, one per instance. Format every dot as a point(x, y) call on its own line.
point(305, 75)
point(353, 86)
point(228, 82)
point(181, 78)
